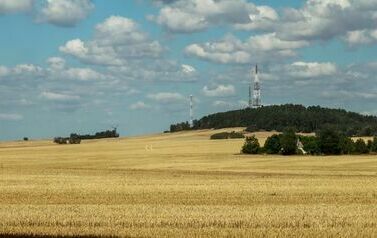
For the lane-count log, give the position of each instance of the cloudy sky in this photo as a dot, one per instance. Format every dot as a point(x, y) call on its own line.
point(83, 66)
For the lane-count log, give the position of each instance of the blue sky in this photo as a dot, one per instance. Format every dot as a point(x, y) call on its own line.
point(84, 66)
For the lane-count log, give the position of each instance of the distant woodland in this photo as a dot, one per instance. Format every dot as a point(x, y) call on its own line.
point(279, 117)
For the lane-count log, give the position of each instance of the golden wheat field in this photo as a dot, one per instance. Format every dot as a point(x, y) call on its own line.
point(182, 185)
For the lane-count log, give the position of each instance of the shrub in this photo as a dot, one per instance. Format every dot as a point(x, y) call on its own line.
point(26, 139)
point(272, 145)
point(220, 136)
point(227, 135)
point(252, 128)
point(236, 135)
point(347, 146)
point(311, 144)
point(361, 147)
point(288, 142)
point(251, 146)
point(374, 145)
point(329, 141)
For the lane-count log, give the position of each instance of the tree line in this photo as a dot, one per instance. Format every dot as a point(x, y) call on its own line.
point(76, 138)
point(328, 141)
point(277, 117)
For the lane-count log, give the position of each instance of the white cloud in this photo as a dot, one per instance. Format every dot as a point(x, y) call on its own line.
point(167, 97)
point(13, 6)
point(311, 69)
point(361, 37)
point(83, 74)
point(139, 106)
point(75, 47)
point(219, 91)
point(326, 19)
point(3, 71)
point(59, 96)
point(265, 18)
point(184, 16)
point(10, 117)
point(260, 48)
point(27, 69)
point(117, 40)
point(229, 105)
point(188, 69)
point(56, 63)
point(119, 31)
point(66, 13)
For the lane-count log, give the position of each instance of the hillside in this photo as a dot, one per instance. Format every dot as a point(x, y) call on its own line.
point(278, 117)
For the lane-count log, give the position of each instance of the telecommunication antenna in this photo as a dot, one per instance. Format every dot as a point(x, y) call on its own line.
point(191, 111)
point(257, 103)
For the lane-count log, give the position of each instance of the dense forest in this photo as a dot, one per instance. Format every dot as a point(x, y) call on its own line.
point(279, 117)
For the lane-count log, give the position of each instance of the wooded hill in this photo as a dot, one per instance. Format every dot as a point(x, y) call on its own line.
point(279, 117)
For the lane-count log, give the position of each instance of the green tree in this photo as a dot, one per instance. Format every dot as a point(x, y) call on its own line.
point(361, 147)
point(347, 146)
point(251, 146)
point(288, 142)
point(329, 141)
point(311, 145)
point(374, 145)
point(272, 145)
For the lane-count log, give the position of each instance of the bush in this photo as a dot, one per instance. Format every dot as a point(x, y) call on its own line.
point(252, 128)
point(361, 147)
point(374, 145)
point(236, 135)
point(227, 135)
point(311, 145)
point(251, 146)
point(329, 141)
point(347, 146)
point(288, 142)
point(26, 139)
point(272, 145)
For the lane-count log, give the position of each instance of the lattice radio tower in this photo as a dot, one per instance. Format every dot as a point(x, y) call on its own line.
point(255, 99)
point(191, 111)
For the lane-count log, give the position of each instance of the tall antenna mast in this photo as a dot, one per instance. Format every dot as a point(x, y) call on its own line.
point(250, 95)
point(257, 90)
point(191, 111)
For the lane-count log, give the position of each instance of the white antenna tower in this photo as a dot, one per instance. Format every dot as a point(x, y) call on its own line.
point(191, 111)
point(257, 103)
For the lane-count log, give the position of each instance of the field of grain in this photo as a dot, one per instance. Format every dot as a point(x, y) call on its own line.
point(182, 185)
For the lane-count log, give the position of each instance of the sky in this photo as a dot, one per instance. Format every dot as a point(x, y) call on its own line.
point(88, 65)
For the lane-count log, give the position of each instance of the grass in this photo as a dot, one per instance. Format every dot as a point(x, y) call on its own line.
point(182, 185)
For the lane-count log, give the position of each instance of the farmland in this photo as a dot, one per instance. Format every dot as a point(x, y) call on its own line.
point(182, 185)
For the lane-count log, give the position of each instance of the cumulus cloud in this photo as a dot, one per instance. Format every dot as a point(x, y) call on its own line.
point(259, 48)
point(230, 105)
point(361, 37)
point(10, 117)
point(188, 69)
point(3, 71)
point(66, 13)
point(29, 69)
point(139, 106)
point(116, 41)
point(311, 69)
point(167, 97)
point(351, 20)
point(14, 6)
point(184, 16)
point(59, 97)
point(219, 91)
point(56, 63)
point(326, 19)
